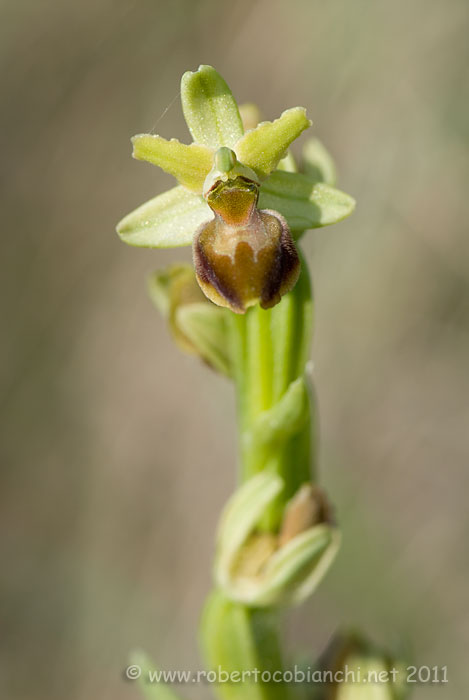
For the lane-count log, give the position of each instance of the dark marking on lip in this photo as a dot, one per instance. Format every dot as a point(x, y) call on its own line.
point(244, 256)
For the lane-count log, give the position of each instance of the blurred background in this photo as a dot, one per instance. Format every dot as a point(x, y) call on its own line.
point(117, 452)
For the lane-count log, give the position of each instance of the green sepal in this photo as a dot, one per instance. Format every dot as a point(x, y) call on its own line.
point(240, 516)
point(190, 165)
point(237, 639)
point(210, 109)
point(318, 163)
point(167, 221)
point(197, 326)
point(262, 148)
point(205, 325)
point(150, 691)
point(294, 572)
point(304, 202)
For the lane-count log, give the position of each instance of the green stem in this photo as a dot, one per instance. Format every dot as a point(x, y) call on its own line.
point(269, 351)
point(259, 348)
point(238, 639)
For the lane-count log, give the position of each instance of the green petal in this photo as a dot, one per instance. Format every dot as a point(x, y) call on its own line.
point(318, 163)
point(210, 109)
point(303, 202)
point(241, 514)
point(262, 148)
point(167, 221)
point(294, 572)
point(190, 165)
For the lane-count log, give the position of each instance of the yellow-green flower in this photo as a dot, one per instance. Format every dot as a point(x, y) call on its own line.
point(238, 211)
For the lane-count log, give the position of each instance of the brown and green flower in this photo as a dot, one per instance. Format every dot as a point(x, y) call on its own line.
point(234, 205)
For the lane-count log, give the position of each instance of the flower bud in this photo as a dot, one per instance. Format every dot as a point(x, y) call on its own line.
point(198, 327)
point(250, 115)
point(269, 569)
point(354, 669)
point(244, 255)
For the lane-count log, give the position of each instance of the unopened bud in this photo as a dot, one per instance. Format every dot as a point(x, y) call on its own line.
point(264, 569)
point(360, 671)
point(197, 326)
point(250, 115)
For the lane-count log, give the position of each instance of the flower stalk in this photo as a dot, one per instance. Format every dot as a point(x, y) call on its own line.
point(242, 205)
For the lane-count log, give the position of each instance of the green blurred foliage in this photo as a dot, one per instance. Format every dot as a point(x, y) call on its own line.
point(107, 509)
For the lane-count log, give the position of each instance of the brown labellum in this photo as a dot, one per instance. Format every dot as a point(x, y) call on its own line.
point(244, 255)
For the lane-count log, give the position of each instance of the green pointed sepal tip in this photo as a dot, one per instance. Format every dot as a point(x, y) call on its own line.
point(210, 109)
point(166, 221)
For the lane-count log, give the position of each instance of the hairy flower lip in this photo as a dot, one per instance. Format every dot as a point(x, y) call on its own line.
point(244, 255)
point(221, 152)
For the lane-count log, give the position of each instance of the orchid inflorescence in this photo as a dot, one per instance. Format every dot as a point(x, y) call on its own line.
point(242, 205)
point(239, 202)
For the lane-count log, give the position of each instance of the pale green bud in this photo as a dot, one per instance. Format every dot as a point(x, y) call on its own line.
point(354, 669)
point(198, 327)
point(250, 115)
point(268, 569)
